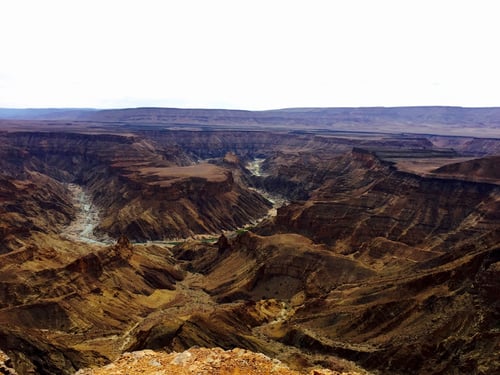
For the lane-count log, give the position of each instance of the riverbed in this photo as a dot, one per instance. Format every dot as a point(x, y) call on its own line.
point(86, 220)
point(255, 168)
point(88, 215)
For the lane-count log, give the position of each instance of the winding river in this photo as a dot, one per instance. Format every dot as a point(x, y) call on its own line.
point(87, 217)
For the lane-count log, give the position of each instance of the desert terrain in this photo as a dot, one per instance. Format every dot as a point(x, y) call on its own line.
point(301, 241)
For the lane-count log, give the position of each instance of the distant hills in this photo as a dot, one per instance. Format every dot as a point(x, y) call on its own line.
point(42, 113)
point(475, 122)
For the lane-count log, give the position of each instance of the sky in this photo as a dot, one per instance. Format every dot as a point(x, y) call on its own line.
point(249, 54)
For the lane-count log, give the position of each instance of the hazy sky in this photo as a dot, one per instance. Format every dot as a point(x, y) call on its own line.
point(249, 54)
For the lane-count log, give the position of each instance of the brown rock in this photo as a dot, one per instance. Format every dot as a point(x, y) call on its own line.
point(6, 365)
point(200, 361)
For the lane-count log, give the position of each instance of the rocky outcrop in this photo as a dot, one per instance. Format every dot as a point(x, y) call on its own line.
point(6, 365)
point(203, 362)
point(423, 323)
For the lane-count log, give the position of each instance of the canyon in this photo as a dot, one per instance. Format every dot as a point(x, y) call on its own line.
point(360, 241)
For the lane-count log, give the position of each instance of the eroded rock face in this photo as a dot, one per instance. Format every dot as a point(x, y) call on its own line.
point(185, 207)
point(279, 266)
point(362, 199)
point(384, 320)
point(72, 294)
point(426, 322)
point(35, 203)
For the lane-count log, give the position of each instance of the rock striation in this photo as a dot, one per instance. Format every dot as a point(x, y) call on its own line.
point(33, 203)
point(361, 200)
point(482, 170)
point(63, 305)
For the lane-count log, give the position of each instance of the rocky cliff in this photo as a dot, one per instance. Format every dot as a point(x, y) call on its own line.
point(360, 199)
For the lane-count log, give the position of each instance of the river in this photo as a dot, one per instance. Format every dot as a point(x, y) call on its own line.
point(255, 168)
point(88, 216)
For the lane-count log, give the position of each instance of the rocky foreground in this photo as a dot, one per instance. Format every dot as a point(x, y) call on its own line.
point(6, 365)
point(201, 361)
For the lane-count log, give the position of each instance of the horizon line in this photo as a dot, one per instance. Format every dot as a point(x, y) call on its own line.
point(243, 109)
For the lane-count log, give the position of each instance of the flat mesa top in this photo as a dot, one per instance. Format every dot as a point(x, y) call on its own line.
point(165, 176)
